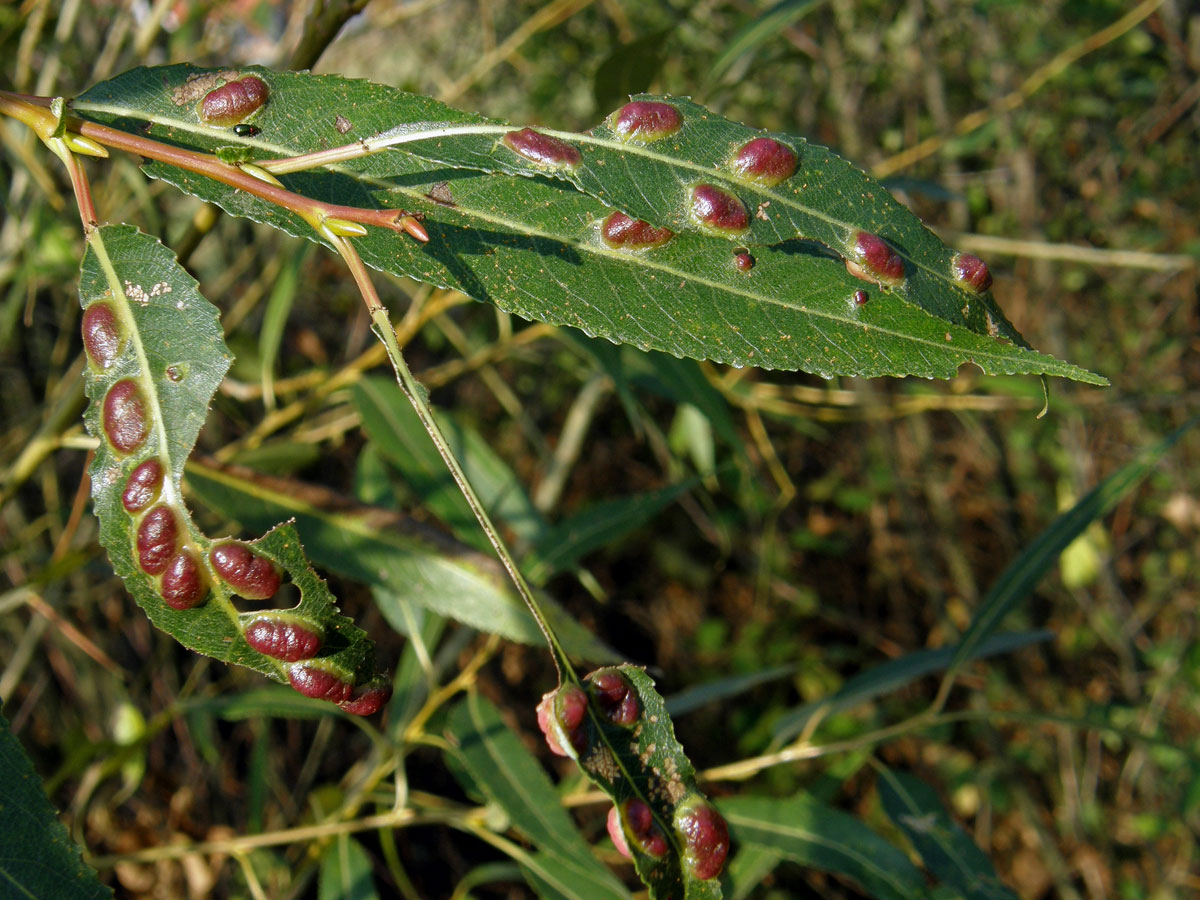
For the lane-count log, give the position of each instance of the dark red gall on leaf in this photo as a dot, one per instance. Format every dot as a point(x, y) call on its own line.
point(320, 684)
point(157, 539)
point(250, 575)
point(861, 297)
point(615, 697)
point(622, 232)
point(184, 583)
point(617, 833)
point(873, 259)
point(766, 161)
point(705, 837)
point(101, 335)
point(639, 821)
point(283, 639)
point(972, 272)
point(233, 102)
point(743, 261)
point(718, 210)
point(143, 487)
point(367, 700)
point(646, 121)
point(563, 709)
point(543, 149)
point(124, 416)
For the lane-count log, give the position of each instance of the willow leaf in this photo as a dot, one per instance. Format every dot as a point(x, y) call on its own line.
point(37, 857)
point(947, 849)
point(809, 832)
point(617, 729)
point(504, 770)
point(390, 552)
point(532, 245)
point(155, 357)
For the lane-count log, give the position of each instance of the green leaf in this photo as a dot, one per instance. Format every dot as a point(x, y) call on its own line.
point(948, 851)
point(749, 866)
point(37, 857)
point(893, 675)
point(393, 426)
point(390, 552)
point(699, 695)
point(531, 246)
point(503, 769)
point(268, 702)
point(760, 30)
point(152, 338)
point(346, 872)
point(644, 762)
point(598, 525)
point(809, 832)
point(1023, 573)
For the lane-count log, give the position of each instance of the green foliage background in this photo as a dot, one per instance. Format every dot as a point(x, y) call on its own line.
point(834, 526)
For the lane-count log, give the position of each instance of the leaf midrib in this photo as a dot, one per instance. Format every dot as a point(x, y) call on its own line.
point(1051, 365)
point(382, 142)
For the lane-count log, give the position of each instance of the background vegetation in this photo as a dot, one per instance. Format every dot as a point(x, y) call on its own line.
point(834, 526)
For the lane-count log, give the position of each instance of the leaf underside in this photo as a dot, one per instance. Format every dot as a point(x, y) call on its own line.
point(647, 763)
point(528, 239)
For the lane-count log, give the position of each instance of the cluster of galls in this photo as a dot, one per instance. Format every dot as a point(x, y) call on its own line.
point(164, 552)
point(699, 828)
point(761, 161)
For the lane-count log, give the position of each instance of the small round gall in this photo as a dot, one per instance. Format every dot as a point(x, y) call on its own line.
point(184, 583)
point(860, 297)
point(615, 696)
point(250, 575)
point(143, 486)
point(743, 261)
point(873, 259)
point(972, 272)
point(617, 833)
point(367, 700)
point(638, 821)
point(157, 539)
point(283, 638)
point(705, 837)
point(622, 232)
point(101, 335)
point(542, 149)
point(764, 161)
point(646, 121)
point(321, 684)
point(123, 416)
point(718, 211)
point(231, 103)
point(560, 717)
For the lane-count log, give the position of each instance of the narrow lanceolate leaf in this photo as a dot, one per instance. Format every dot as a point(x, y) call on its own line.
point(807, 831)
point(155, 356)
point(1023, 573)
point(504, 770)
point(617, 729)
point(389, 552)
point(547, 248)
point(893, 675)
point(37, 856)
point(948, 850)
